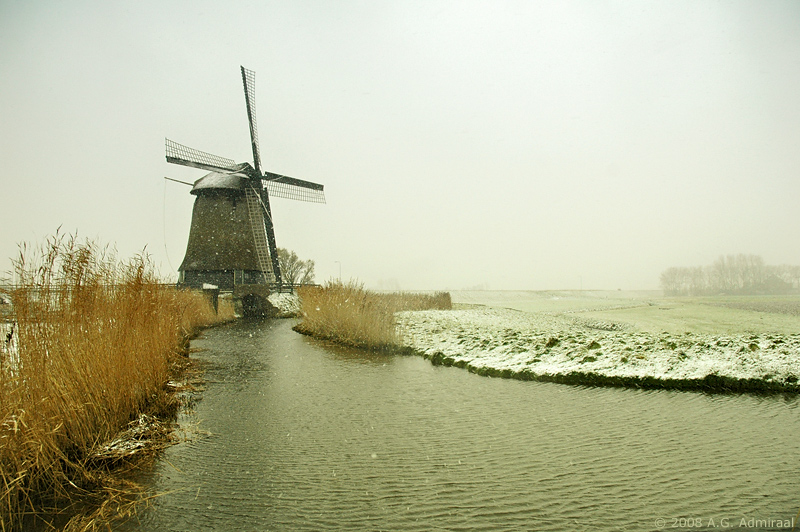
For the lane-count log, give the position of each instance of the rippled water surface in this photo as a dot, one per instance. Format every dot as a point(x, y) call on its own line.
point(306, 436)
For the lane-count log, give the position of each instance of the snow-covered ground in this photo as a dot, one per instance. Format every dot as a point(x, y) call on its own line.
point(288, 305)
point(530, 345)
point(8, 345)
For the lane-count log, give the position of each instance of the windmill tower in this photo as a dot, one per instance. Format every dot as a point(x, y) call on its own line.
point(232, 237)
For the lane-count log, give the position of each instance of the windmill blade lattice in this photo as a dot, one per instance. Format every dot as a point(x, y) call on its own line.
point(186, 156)
point(249, 82)
point(282, 190)
point(286, 187)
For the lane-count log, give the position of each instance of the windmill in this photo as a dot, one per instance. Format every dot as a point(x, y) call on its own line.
point(232, 237)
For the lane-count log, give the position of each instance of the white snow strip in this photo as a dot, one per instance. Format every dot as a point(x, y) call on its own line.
point(287, 304)
point(547, 345)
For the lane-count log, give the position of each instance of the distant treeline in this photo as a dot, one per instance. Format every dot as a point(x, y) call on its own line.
point(731, 274)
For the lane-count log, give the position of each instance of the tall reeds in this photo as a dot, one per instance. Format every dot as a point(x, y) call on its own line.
point(350, 315)
point(96, 340)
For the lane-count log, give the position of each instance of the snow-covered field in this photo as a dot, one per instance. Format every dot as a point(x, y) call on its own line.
point(567, 347)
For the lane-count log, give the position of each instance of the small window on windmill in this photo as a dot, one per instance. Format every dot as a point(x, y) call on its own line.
point(238, 277)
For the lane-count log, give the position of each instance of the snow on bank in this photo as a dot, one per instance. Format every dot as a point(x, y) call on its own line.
point(545, 347)
point(288, 305)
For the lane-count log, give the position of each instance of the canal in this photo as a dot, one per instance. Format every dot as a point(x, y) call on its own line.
point(294, 434)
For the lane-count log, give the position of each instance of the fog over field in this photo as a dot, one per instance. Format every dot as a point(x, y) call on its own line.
point(506, 145)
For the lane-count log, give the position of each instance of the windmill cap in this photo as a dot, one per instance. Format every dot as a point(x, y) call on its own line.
point(219, 180)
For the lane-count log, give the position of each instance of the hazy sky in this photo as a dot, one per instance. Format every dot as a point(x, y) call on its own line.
point(512, 145)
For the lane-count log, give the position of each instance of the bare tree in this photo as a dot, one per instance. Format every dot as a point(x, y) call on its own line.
point(731, 274)
point(294, 270)
point(671, 282)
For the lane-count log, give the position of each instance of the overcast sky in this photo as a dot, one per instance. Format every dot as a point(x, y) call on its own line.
point(508, 145)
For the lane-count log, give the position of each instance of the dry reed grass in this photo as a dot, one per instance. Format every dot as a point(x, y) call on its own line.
point(97, 340)
point(348, 314)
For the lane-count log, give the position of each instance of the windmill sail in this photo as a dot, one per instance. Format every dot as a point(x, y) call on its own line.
point(186, 156)
point(282, 186)
point(257, 225)
point(249, 82)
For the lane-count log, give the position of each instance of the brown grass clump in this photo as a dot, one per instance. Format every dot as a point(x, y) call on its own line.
point(95, 343)
point(196, 312)
point(350, 315)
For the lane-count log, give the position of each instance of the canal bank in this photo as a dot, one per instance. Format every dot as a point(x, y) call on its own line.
point(545, 347)
point(718, 345)
point(88, 361)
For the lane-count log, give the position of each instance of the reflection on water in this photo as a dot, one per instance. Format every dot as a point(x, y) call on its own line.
point(307, 436)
